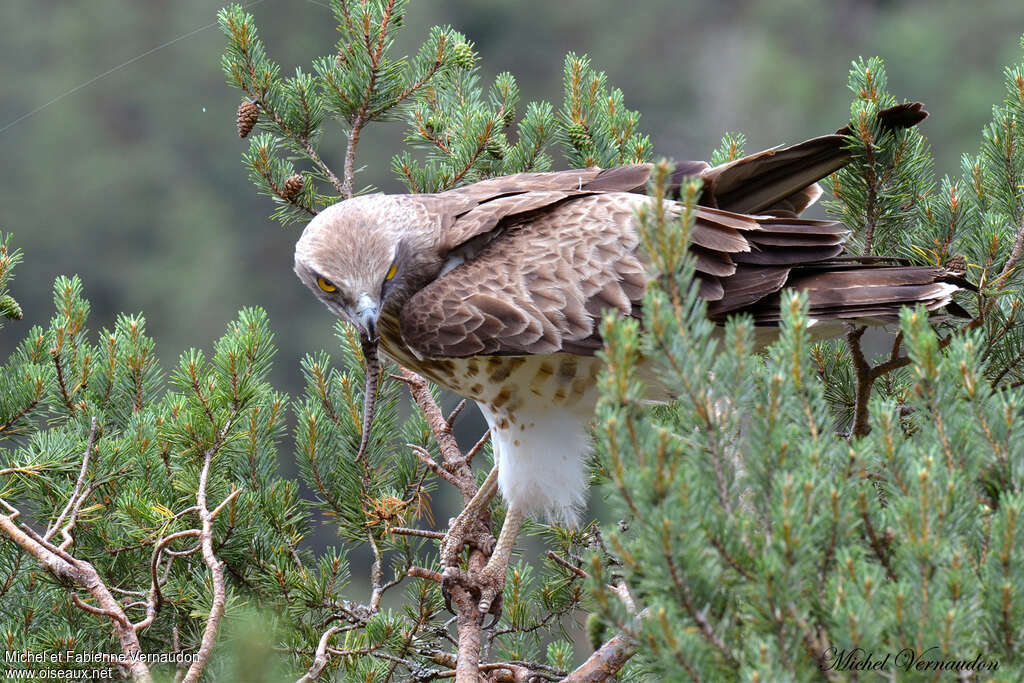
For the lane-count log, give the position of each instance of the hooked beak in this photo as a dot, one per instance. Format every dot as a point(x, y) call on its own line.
point(367, 312)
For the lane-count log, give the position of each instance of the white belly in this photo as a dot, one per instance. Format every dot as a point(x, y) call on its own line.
point(542, 458)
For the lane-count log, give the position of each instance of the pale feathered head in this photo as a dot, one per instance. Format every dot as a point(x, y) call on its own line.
point(366, 256)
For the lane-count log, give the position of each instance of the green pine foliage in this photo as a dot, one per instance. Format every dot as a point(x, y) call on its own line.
point(876, 194)
point(459, 131)
point(763, 544)
point(166, 482)
point(103, 451)
point(596, 127)
point(9, 308)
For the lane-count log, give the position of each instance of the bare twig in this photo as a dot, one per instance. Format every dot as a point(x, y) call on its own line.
point(215, 565)
point(453, 459)
point(422, 533)
point(551, 555)
point(432, 465)
point(75, 501)
point(60, 564)
point(376, 573)
point(155, 598)
point(321, 659)
point(231, 496)
point(456, 411)
point(422, 573)
point(606, 661)
point(478, 446)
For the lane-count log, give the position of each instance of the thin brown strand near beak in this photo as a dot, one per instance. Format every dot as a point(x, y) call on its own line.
point(372, 363)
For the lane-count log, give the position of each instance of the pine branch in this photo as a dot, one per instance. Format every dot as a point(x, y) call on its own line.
point(320, 660)
point(77, 496)
point(862, 372)
point(469, 619)
point(215, 565)
point(606, 662)
point(81, 572)
point(361, 117)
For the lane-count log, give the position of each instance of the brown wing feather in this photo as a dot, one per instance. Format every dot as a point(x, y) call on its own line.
point(539, 288)
point(547, 252)
point(477, 209)
point(781, 181)
point(541, 285)
point(866, 291)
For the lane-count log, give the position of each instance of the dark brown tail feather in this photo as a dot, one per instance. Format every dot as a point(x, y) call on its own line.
point(783, 180)
point(840, 289)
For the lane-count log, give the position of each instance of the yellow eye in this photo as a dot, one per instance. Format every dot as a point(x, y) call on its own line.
point(325, 285)
point(391, 271)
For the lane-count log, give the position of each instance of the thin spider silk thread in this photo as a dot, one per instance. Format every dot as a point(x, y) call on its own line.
point(86, 84)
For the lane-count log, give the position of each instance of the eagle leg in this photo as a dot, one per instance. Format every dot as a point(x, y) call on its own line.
point(493, 575)
point(460, 527)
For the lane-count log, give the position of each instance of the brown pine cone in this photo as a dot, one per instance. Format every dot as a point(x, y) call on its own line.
point(292, 187)
point(957, 265)
point(248, 114)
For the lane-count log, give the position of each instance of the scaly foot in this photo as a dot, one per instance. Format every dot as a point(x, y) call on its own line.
point(468, 529)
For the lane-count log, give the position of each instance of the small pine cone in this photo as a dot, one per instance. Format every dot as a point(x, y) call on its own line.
point(248, 114)
point(579, 136)
point(957, 265)
point(464, 57)
point(9, 308)
point(292, 187)
point(495, 149)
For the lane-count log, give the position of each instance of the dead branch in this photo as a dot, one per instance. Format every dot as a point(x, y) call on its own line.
point(77, 496)
point(606, 662)
point(422, 533)
point(469, 620)
point(423, 573)
point(866, 374)
point(215, 565)
point(567, 565)
point(432, 465)
point(376, 573)
point(456, 411)
point(321, 659)
point(62, 565)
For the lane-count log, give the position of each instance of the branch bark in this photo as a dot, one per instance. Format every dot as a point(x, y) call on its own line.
point(84, 574)
point(70, 510)
point(460, 469)
point(606, 661)
point(215, 565)
point(864, 382)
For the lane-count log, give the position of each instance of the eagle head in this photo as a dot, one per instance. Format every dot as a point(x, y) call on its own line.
point(364, 257)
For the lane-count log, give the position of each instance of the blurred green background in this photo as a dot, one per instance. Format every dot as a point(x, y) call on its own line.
point(133, 180)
